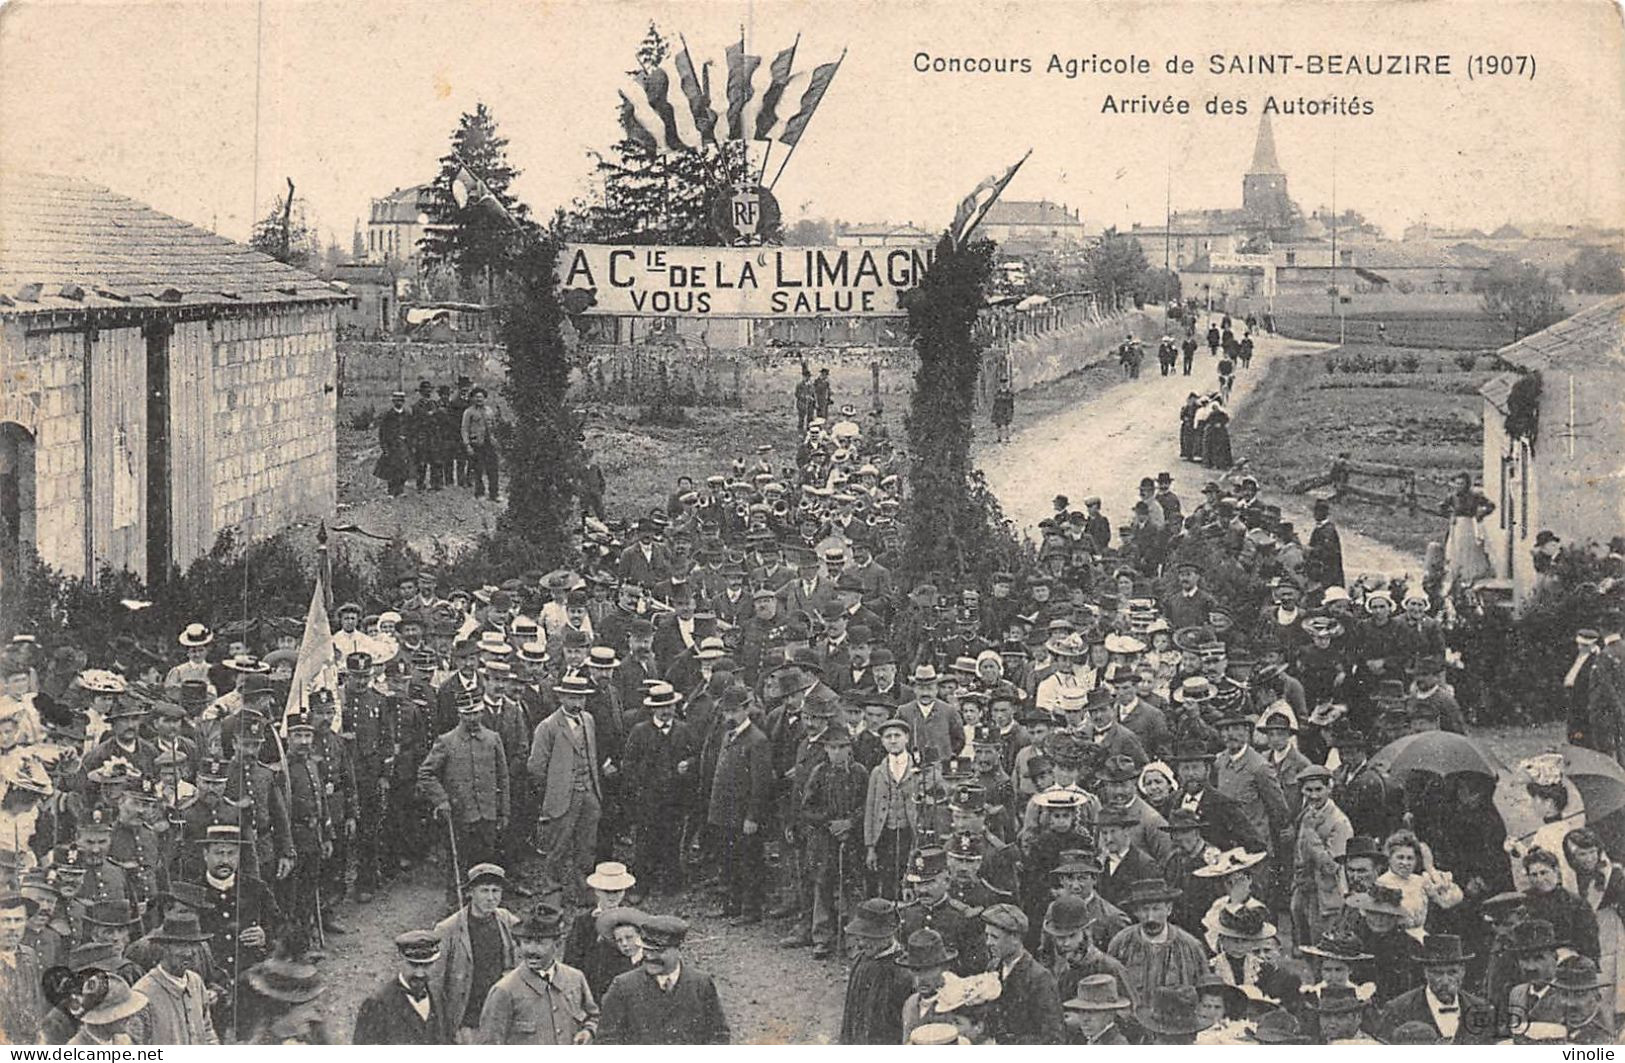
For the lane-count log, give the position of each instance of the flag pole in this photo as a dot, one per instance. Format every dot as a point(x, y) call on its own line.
point(797, 144)
point(795, 46)
point(997, 192)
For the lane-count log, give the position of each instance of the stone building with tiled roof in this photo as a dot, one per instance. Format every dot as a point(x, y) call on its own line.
point(158, 384)
point(1570, 477)
point(1033, 225)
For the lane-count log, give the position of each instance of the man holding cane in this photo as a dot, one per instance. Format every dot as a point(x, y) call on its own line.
point(465, 780)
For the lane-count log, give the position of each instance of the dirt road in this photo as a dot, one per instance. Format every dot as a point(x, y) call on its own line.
point(1104, 445)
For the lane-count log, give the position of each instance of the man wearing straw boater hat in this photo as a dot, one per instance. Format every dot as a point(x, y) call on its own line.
point(564, 764)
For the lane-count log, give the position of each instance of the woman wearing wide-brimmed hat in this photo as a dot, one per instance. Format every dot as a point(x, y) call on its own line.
point(107, 1023)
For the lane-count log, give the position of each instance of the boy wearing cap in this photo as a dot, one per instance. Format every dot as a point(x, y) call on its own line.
point(832, 808)
point(477, 948)
point(1028, 1010)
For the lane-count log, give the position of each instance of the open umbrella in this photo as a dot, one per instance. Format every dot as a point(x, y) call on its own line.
point(1438, 753)
point(1599, 778)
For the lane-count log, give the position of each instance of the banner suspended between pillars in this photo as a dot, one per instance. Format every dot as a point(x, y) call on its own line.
point(755, 282)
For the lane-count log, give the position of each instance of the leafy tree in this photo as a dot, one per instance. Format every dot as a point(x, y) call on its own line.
point(1520, 294)
point(478, 237)
point(653, 198)
point(953, 528)
point(810, 232)
point(286, 234)
point(546, 463)
point(1117, 269)
point(1595, 269)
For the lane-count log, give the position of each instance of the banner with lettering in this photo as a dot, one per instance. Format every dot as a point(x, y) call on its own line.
point(758, 282)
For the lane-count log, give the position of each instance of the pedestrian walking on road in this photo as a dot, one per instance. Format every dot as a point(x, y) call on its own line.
point(1004, 411)
point(1188, 349)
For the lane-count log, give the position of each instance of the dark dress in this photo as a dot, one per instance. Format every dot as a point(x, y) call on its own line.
point(1216, 441)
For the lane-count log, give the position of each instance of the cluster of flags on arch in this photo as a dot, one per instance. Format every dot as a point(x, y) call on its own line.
point(676, 106)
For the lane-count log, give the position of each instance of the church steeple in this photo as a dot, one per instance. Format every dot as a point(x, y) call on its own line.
point(1264, 160)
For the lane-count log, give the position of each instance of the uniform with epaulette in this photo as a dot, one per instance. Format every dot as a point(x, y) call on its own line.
point(959, 923)
point(137, 848)
point(232, 904)
point(252, 786)
point(833, 800)
point(370, 719)
point(103, 880)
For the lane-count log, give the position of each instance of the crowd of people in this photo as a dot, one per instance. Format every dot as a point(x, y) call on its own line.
point(446, 440)
point(1121, 792)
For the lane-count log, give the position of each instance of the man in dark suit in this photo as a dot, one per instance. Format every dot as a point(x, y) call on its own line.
point(465, 680)
point(404, 1009)
point(1123, 862)
point(661, 766)
point(1323, 564)
point(741, 801)
point(1028, 1011)
point(1224, 825)
point(646, 562)
point(663, 1001)
point(1458, 1017)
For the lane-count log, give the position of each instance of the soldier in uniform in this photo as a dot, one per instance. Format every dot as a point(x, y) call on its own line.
point(933, 908)
point(309, 812)
point(368, 746)
point(93, 837)
point(239, 914)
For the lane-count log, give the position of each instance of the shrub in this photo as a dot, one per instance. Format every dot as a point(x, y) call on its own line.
point(664, 412)
point(363, 419)
point(1331, 365)
point(1385, 364)
point(1410, 362)
point(1465, 361)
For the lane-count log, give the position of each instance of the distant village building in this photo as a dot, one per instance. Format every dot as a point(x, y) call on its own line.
point(1569, 478)
point(376, 309)
point(395, 225)
point(1385, 265)
point(158, 383)
point(1022, 226)
point(885, 235)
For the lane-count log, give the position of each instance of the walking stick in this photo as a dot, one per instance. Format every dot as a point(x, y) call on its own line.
point(456, 864)
point(321, 932)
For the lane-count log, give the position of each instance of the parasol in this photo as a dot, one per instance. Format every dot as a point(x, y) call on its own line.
point(1599, 778)
point(1438, 753)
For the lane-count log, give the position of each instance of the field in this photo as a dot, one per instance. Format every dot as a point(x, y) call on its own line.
point(1455, 330)
point(1302, 416)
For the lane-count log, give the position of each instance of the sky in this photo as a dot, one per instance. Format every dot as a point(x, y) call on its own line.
point(202, 109)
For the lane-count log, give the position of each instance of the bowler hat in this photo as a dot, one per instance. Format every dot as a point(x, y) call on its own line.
point(542, 921)
point(926, 948)
point(1339, 999)
point(1065, 914)
point(874, 918)
point(1151, 891)
point(1362, 845)
point(1171, 1011)
point(1534, 935)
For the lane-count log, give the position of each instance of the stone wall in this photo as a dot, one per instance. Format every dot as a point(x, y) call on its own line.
point(1037, 360)
point(275, 410)
point(41, 390)
point(370, 369)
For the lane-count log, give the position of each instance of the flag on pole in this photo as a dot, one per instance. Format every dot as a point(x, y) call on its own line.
point(316, 668)
point(663, 124)
point(468, 190)
point(696, 86)
point(974, 207)
point(755, 91)
point(812, 93)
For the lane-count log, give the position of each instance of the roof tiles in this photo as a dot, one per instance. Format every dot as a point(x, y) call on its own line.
point(60, 233)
